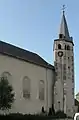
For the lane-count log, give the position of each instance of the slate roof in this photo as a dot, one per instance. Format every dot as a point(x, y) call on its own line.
point(64, 28)
point(19, 53)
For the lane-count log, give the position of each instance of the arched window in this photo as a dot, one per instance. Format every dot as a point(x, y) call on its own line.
point(26, 87)
point(41, 90)
point(59, 46)
point(68, 47)
point(7, 76)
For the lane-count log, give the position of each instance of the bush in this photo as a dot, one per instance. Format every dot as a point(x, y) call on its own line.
point(60, 114)
point(53, 111)
point(50, 111)
point(6, 94)
point(43, 110)
point(18, 116)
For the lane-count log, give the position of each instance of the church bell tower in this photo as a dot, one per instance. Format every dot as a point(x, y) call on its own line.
point(64, 69)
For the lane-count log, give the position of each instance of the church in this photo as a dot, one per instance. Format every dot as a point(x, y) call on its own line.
point(37, 83)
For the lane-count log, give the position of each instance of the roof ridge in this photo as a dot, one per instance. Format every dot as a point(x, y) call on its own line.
point(24, 49)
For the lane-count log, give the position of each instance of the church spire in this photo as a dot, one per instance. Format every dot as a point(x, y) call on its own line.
point(63, 26)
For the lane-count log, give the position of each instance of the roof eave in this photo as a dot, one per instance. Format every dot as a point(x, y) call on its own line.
point(26, 60)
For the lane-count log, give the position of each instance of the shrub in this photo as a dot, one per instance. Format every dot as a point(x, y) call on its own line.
point(6, 94)
point(43, 110)
point(53, 111)
point(50, 111)
point(60, 114)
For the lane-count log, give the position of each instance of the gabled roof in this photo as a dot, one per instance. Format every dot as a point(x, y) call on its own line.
point(22, 54)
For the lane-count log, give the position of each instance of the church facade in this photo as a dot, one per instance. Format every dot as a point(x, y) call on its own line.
point(35, 82)
point(31, 77)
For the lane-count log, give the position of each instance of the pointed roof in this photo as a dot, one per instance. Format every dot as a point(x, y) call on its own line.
point(63, 27)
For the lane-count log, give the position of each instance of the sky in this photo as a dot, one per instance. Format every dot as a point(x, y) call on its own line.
point(34, 24)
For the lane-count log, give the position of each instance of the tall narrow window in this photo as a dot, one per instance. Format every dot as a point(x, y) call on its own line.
point(68, 47)
point(26, 87)
point(72, 91)
point(41, 90)
point(64, 71)
point(65, 47)
point(59, 46)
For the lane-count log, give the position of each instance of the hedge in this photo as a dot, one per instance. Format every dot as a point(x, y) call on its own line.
point(18, 116)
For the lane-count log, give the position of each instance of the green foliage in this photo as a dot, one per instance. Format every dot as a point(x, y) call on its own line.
point(43, 110)
point(50, 111)
point(6, 94)
point(18, 116)
point(60, 114)
point(53, 110)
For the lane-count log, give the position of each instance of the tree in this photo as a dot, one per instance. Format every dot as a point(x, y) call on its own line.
point(6, 94)
point(60, 114)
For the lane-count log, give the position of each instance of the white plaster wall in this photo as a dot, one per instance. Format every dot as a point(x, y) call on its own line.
point(50, 87)
point(18, 69)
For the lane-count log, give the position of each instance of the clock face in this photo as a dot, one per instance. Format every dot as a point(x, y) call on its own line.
point(60, 53)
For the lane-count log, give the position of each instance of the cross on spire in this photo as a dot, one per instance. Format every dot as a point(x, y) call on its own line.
point(63, 9)
point(63, 26)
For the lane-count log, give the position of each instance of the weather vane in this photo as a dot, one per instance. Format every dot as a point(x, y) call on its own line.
point(63, 9)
